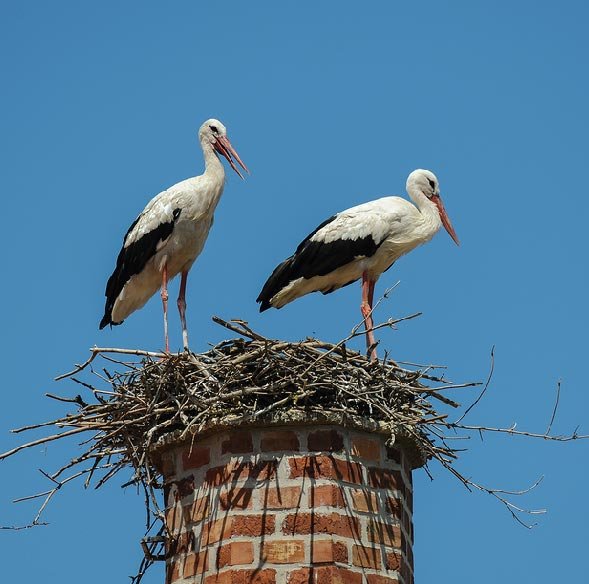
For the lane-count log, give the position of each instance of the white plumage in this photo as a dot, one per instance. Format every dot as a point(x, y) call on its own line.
point(169, 235)
point(360, 243)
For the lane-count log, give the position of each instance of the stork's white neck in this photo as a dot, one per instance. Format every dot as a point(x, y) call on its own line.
point(214, 168)
point(429, 212)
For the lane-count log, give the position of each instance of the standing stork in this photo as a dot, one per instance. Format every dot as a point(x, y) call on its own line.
point(169, 235)
point(361, 242)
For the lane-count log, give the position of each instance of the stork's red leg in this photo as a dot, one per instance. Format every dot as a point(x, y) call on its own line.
point(366, 309)
point(182, 308)
point(164, 295)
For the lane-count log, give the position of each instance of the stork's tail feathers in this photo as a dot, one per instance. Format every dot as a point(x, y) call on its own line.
point(107, 318)
point(281, 277)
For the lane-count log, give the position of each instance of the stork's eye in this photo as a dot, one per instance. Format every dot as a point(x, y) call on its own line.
point(432, 184)
point(214, 129)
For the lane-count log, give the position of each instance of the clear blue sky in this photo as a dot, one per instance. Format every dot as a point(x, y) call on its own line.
point(329, 105)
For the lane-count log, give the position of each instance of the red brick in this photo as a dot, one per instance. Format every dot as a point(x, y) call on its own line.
point(253, 525)
point(325, 467)
point(329, 495)
point(195, 457)
point(331, 523)
point(383, 478)
point(172, 572)
point(238, 442)
point(279, 441)
point(216, 531)
point(285, 551)
point(377, 579)
point(235, 525)
point(185, 486)
point(384, 534)
point(167, 465)
point(235, 498)
point(181, 544)
point(366, 557)
point(395, 507)
point(325, 441)
point(174, 518)
point(236, 553)
point(328, 551)
point(195, 564)
point(256, 576)
point(366, 448)
point(393, 561)
point(281, 498)
point(324, 575)
point(365, 501)
point(241, 471)
point(197, 510)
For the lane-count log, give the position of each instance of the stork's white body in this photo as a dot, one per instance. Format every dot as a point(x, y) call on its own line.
point(395, 225)
point(197, 198)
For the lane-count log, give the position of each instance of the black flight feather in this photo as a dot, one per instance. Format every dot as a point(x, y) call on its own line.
point(132, 260)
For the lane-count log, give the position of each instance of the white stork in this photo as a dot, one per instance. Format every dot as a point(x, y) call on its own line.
point(361, 242)
point(169, 234)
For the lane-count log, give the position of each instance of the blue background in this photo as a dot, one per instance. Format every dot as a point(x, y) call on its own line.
point(330, 105)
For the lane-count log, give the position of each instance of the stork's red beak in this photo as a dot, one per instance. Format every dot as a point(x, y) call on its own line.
point(223, 146)
point(445, 219)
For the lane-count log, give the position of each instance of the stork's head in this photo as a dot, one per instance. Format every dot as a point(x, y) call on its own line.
point(426, 183)
point(214, 133)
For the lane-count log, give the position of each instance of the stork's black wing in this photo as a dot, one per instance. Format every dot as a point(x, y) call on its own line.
point(336, 242)
point(138, 248)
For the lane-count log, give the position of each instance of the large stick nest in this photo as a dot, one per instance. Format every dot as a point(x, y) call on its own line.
point(247, 381)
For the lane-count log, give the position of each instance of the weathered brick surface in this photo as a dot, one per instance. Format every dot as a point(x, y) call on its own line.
point(365, 500)
point(366, 557)
point(197, 510)
point(325, 440)
point(325, 467)
point(324, 575)
point(234, 497)
point(383, 478)
point(239, 470)
point(195, 457)
point(238, 525)
point(236, 553)
point(256, 576)
point(331, 523)
point(378, 579)
point(365, 448)
point(185, 486)
point(279, 441)
point(195, 564)
point(328, 551)
point(180, 544)
point(282, 497)
point(238, 443)
point(283, 551)
point(385, 534)
point(311, 505)
point(393, 561)
point(395, 507)
point(326, 495)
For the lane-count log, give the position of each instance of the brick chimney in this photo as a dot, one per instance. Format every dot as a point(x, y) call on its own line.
point(308, 503)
